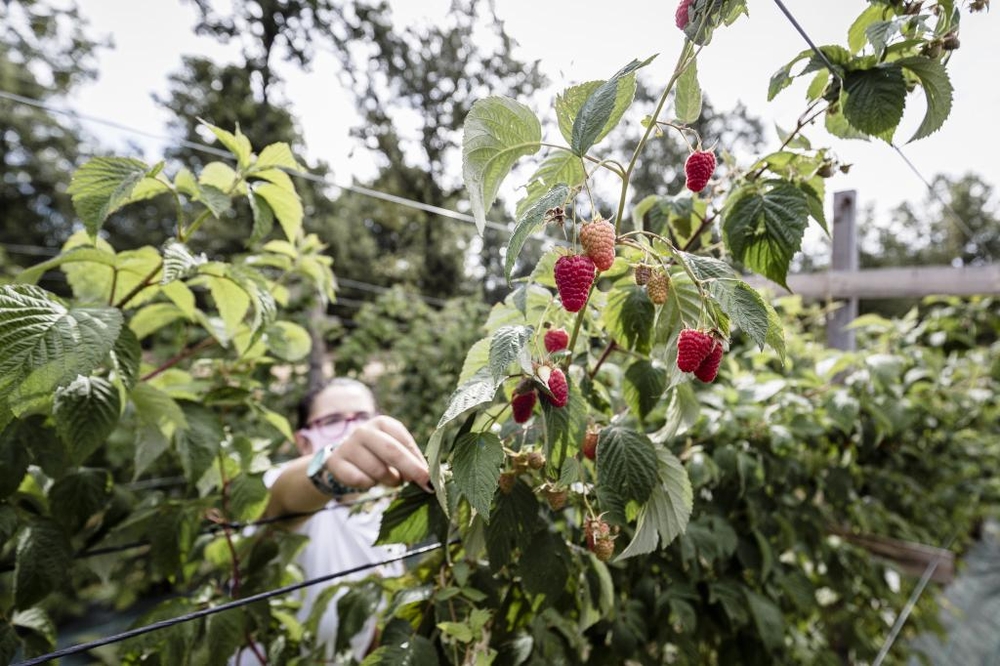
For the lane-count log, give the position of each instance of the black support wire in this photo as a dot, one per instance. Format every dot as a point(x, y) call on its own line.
point(163, 624)
point(959, 222)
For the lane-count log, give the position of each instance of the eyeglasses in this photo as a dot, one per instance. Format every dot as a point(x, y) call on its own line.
point(332, 427)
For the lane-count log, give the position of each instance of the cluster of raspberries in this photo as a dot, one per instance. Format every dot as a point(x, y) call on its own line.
point(700, 353)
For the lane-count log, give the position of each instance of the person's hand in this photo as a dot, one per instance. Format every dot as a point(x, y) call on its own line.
point(379, 451)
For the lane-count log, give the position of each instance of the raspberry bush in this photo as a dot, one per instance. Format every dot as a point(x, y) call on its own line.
point(600, 501)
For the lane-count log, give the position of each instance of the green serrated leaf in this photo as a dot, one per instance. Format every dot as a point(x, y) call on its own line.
point(179, 262)
point(44, 345)
point(263, 217)
point(288, 341)
point(285, 205)
point(477, 391)
point(529, 222)
point(412, 517)
point(15, 457)
point(151, 318)
point(236, 143)
point(225, 633)
point(219, 175)
point(85, 412)
point(666, 514)
point(856, 35)
point(77, 496)
point(745, 307)
point(768, 619)
point(687, 98)
point(416, 651)
point(477, 459)
point(44, 558)
point(84, 254)
point(626, 463)
point(628, 317)
point(127, 356)
point(561, 167)
point(476, 359)
point(513, 522)
point(103, 185)
point(604, 107)
point(198, 442)
point(875, 99)
point(764, 229)
point(497, 132)
point(571, 101)
point(277, 155)
point(643, 386)
point(543, 566)
point(215, 200)
point(247, 497)
point(775, 332)
point(37, 621)
point(937, 89)
point(506, 346)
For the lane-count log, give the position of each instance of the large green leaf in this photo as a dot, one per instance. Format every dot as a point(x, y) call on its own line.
point(626, 463)
point(875, 99)
point(198, 442)
point(604, 107)
point(277, 155)
point(37, 629)
point(745, 307)
point(225, 633)
point(763, 229)
point(506, 347)
point(285, 205)
point(151, 318)
point(237, 143)
point(628, 317)
point(477, 391)
point(937, 89)
point(668, 510)
point(43, 562)
point(543, 566)
point(643, 387)
point(767, 618)
point(412, 517)
point(571, 101)
point(288, 341)
point(80, 253)
point(77, 496)
point(498, 131)
point(416, 651)
point(85, 412)
point(513, 522)
point(14, 458)
point(179, 262)
point(529, 222)
point(44, 345)
point(687, 95)
point(561, 167)
point(103, 185)
point(247, 497)
point(477, 457)
point(127, 356)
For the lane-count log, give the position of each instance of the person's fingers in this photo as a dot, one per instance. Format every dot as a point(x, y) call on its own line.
point(349, 474)
point(369, 463)
point(389, 439)
point(397, 430)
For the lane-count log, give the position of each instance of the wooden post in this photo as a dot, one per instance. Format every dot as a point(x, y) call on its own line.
point(845, 258)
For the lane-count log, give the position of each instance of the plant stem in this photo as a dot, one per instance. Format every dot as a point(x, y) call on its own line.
point(197, 223)
point(576, 326)
point(139, 287)
point(185, 353)
point(612, 345)
point(687, 54)
point(606, 164)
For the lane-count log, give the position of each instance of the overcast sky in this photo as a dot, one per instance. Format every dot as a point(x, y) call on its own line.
point(579, 41)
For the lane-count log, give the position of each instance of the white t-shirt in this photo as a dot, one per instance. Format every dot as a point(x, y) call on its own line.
point(339, 540)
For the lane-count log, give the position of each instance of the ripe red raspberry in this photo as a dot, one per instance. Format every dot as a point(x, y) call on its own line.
point(698, 169)
point(559, 388)
point(589, 446)
point(692, 348)
point(556, 339)
point(598, 241)
point(658, 287)
point(709, 368)
point(574, 274)
point(522, 404)
point(681, 16)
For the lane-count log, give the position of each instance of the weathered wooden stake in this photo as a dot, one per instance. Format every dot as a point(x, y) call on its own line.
point(845, 258)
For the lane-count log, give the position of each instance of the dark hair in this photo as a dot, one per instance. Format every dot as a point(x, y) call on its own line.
point(305, 404)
